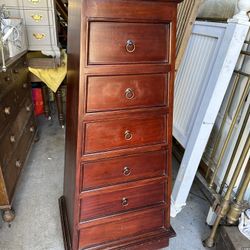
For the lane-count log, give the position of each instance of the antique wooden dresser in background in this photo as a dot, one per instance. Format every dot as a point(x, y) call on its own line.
point(119, 124)
point(17, 128)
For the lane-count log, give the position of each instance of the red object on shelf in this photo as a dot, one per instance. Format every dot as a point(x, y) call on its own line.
point(38, 101)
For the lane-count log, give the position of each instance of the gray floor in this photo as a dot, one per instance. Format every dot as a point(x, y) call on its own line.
point(37, 223)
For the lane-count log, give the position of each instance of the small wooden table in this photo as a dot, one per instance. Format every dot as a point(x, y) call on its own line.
point(41, 63)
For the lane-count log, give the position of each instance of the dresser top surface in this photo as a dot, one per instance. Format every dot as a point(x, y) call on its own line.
point(9, 62)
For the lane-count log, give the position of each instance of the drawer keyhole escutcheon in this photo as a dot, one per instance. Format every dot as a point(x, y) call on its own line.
point(28, 109)
point(129, 93)
point(124, 202)
point(7, 110)
point(12, 139)
point(32, 129)
point(25, 85)
point(130, 46)
point(18, 164)
point(128, 135)
point(126, 171)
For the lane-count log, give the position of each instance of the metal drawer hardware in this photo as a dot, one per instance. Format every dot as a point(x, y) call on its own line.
point(39, 36)
point(129, 93)
point(25, 85)
point(126, 171)
point(7, 110)
point(130, 46)
point(7, 78)
point(32, 129)
point(37, 17)
point(12, 139)
point(128, 135)
point(124, 202)
point(28, 109)
point(18, 164)
point(34, 1)
point(15, 71)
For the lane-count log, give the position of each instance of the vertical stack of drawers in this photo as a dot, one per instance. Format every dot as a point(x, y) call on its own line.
point(119, 126)
point(39, 16)
point(17, 129)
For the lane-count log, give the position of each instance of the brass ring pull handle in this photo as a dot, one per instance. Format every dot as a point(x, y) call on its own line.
point(126, 171)
point(129, 93)
point(128, 135)
point(130, 46)
point(124, 202)
point(12, 139)
point(7, 110)
point(18, 164)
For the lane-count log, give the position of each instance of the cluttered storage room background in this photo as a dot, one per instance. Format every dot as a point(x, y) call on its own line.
point(124, 124)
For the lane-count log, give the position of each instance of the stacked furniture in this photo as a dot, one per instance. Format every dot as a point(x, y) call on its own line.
point(17, 129)
point(39, 17)
point(119, 124)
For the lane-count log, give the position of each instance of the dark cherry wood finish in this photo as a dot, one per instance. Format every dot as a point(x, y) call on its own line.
point(17, 129)
point(151, 42)
point(123, 169)
point(123, 197)
point(116, 134)
point(117, 181)
point(124, 92)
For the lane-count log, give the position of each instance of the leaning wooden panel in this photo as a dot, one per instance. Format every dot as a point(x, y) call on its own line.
point(187, 13)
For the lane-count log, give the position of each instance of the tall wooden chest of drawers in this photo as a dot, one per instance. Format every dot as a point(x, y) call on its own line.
point(17, 129)
point(117, 181)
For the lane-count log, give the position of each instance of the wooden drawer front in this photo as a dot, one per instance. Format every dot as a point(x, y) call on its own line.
point(20, 71)
point(10, 140)
point(145, 10)
point(123, 169)
point(20, 77)
point(111, 135)
point(120, 226)
point(121, 198)
point(14, 167)
point(11, 104)
point(108, 43)
point(122, 92)
point(6, 82)
point(8, 109)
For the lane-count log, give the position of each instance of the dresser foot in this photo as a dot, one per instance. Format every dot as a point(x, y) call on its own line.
point(8, 215)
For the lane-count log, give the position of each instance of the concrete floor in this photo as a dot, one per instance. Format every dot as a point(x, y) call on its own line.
point(37, 223)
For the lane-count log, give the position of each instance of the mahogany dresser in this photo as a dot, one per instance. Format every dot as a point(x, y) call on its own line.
point(17, 129)
point(119, 124)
